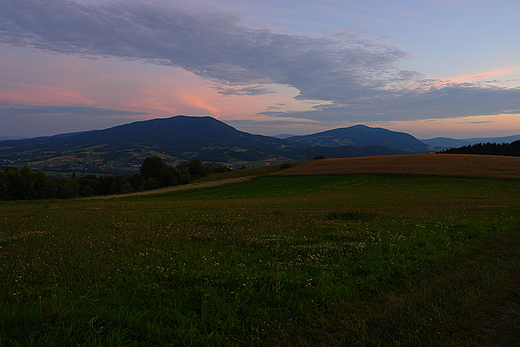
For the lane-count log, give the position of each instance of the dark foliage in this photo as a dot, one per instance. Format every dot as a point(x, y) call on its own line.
point(25, 184)
point(510, 149)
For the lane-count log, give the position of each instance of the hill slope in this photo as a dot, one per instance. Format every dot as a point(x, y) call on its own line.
point(463, 165)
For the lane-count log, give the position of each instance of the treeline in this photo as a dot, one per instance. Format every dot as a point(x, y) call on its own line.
point(511, 149)
point(25, 184)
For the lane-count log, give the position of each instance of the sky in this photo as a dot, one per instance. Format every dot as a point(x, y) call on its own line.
point(426, 67)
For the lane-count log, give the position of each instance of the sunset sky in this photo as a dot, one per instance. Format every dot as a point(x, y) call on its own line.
point(427, 67)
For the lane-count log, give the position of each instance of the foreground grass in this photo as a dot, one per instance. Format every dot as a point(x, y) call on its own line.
point(362, 260)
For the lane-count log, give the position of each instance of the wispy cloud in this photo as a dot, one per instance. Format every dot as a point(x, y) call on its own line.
point(66, 110)
point(216, 46)
point(485, 75)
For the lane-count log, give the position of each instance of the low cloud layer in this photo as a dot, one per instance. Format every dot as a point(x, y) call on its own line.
point(50, 120)
point(459, 100)
point(358, 79)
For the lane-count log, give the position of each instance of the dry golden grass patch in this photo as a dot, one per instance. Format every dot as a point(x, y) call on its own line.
point(179, 188)
point(465, 165)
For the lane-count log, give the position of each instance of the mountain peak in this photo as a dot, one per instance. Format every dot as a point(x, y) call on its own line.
point(358, 126)
point(360, 136)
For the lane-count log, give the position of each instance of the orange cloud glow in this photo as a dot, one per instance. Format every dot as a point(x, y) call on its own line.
point(26, 94)
point(463, 127)
point(200, 102)
point(485, 75)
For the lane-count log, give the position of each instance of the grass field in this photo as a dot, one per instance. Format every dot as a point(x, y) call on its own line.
point(358, 259)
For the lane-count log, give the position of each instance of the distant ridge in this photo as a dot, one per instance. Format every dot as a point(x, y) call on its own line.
point(362, 135)
point(284, 136)
point(445, 142)
point(451, 143)
point(5, 138)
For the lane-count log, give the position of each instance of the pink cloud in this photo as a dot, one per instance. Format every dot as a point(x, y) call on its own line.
point(30, 94)
point(485, 75)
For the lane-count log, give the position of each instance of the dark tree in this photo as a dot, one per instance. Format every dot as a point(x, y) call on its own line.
point(196, 169)
point(25, 184)
point(509, 149)
point(153, 167)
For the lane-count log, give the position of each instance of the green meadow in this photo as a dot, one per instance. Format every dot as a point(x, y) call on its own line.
point(339, 260)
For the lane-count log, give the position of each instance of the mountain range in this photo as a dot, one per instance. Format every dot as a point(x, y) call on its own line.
point(122, 149)
point(451, 143)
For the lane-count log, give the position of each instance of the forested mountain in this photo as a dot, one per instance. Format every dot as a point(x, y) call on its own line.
point(123, 148)
point(362, 135)
point(176, 134)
